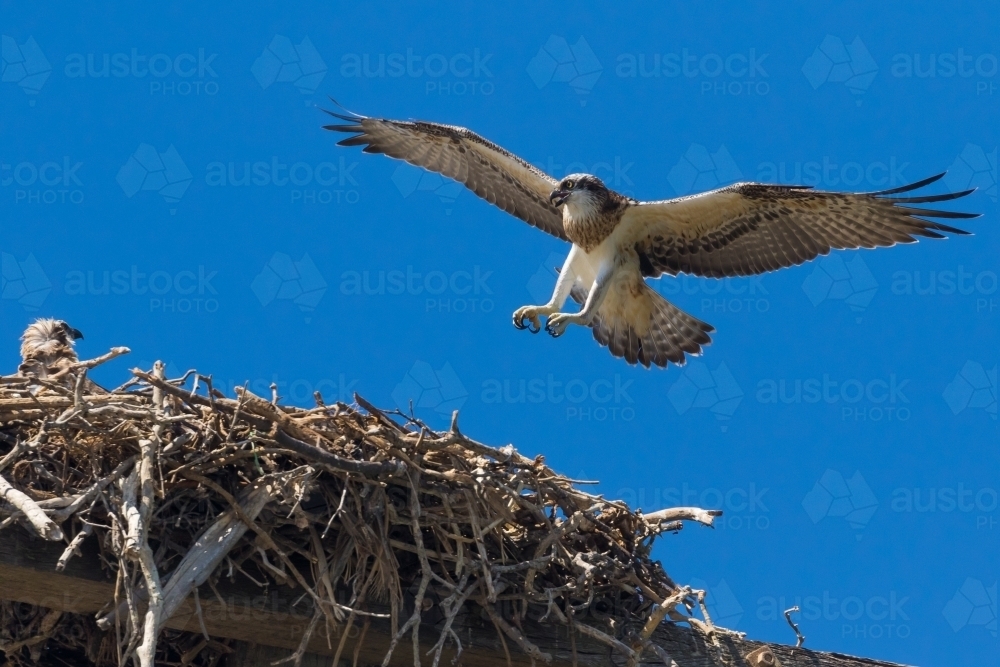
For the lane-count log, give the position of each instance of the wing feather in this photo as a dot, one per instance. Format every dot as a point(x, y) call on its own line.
point(492, 173)
point(751, 228)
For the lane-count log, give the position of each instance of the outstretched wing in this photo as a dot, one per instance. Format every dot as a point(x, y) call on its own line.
point(494, 174)
point(751, 228)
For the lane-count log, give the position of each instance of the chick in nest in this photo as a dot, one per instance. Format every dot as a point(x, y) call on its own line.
point(48, 353)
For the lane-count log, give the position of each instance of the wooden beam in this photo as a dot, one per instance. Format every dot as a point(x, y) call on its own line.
point(268, 619)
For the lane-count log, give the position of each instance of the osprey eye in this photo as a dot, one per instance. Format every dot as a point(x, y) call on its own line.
point(569, 184)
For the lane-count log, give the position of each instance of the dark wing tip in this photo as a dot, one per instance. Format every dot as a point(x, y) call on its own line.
point(905, 204)
point(350, 119)
point(930, 213)
point(926, 199)
point(348, 115)
point(356, 140)
point(911, 186)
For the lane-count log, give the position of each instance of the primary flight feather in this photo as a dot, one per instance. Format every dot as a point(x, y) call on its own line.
point(740, 230)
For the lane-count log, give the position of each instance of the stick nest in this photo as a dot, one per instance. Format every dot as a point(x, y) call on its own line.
point(369, 515)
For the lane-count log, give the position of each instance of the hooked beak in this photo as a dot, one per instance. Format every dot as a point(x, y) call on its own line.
point(75, 333)
point(558, 197)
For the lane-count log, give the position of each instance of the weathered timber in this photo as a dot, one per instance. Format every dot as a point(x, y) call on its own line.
point(267, 626)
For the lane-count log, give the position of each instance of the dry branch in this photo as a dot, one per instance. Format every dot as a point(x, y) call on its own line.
point(42, 524)
point(365, 514)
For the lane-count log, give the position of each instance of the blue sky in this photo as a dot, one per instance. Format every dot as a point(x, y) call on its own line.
point(165, 184)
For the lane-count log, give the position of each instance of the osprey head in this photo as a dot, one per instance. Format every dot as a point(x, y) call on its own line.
point(583, 194)
point(45, 335)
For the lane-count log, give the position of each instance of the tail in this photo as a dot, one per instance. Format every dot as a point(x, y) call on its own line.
point(643, 327)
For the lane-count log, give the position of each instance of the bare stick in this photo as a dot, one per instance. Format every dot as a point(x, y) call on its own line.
point(698, 514)
point(518, 636)
point(104, 358)
point(91, 493)
point(73, 548)
point(22, 446)
point(605, 639)
point(206, 553)
point(147, 463)
point(661, 612)
point(800, 639)
point(663, 655)
point(42, 524)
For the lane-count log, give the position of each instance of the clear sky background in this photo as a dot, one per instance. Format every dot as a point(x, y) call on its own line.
point(182, 199)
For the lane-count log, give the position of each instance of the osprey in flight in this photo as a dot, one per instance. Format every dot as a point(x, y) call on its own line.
point(617, 242)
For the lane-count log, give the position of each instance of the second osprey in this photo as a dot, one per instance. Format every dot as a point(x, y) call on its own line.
point(740, 230)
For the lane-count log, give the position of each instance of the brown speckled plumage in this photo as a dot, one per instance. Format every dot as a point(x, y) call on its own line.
point(47, 348)
point(750, 228)
point(740, 230)
point(589, 231)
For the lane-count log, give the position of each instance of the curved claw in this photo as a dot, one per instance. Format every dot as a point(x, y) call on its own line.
point(534, 325)
point(552, 332)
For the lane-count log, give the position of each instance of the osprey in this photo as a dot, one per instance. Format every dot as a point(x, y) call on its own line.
point(47, 351)
point(617, 242)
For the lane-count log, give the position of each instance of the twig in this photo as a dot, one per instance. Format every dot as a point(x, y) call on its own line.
point(800, 639)
point(104, 358)
point(73, 548)
point(706, 517)
point(42, 524)
point(517, 635)
point(154, 611)
point(22, 446)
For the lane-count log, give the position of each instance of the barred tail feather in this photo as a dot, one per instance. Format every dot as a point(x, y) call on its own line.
point(643, 327)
